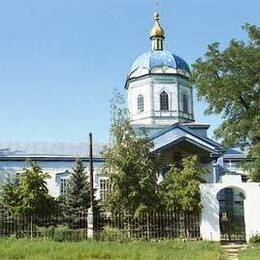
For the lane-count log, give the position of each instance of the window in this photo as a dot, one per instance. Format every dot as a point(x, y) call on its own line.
point(140, 103)
point(105, 189)
point(164, 102)
point(63, 185)
point(185, 103)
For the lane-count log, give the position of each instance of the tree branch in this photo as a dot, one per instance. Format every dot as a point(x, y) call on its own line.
point(243, 102)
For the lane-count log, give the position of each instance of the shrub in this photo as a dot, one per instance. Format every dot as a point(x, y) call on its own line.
point(255, 238)
point(112, 234)
point(62, 233)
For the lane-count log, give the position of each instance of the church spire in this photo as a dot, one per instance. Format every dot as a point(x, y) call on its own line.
point(157, 34)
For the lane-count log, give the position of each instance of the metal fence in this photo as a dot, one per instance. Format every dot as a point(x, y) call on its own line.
point(107, 226)
point(33, 226)
point(163, 225)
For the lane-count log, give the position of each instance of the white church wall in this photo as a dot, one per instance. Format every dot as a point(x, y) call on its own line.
point(151, 88)
point(142, 87)
point(55, 169)
point(171, 90)
point(210, 212)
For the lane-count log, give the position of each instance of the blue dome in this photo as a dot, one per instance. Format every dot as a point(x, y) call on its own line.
point(160, 59)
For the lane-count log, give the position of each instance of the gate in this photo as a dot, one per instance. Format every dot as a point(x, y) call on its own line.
point(231, 215)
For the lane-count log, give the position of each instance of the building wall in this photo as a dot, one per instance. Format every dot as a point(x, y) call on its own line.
point(151, 88)
point(210, 212)
point(56, 169)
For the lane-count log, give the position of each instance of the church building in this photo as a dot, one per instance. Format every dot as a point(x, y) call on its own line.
point(160, 102)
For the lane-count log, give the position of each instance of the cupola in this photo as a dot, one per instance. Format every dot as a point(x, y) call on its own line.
point(157, 34)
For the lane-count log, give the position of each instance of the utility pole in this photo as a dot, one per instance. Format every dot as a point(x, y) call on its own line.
point(91, 170)
point(90, 229)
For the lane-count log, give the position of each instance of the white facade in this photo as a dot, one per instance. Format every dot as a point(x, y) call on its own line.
point(59, 172)
point(150, 88)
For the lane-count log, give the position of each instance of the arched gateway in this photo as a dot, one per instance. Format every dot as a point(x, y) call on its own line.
point(231, 215)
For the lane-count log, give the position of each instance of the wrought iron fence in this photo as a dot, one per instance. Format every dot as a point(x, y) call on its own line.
point(32, 226)
point(163, 225)
point(107, 226)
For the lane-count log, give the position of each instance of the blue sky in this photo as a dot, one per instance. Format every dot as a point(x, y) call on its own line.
point(61, 59)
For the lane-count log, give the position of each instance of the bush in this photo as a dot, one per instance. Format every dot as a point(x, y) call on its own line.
point(255, 238)
point(62, 233)
point(112, 234)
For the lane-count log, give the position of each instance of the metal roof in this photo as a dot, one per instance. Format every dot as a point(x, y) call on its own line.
point(47, 149)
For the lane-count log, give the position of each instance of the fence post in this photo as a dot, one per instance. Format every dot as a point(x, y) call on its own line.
point(147, 227)
point(90, 226)
point(31, 226)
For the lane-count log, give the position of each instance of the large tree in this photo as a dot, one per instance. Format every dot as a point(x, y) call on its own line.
point(180, 189)
point(77, 196)
point(131, 167)
point(29, 194)
point(229, 81)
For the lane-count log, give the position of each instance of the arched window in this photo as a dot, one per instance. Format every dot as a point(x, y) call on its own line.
point(164, 101)
point(140, 103)
point(185, 104)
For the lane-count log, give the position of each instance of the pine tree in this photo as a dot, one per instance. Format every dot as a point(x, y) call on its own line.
point(77, 197)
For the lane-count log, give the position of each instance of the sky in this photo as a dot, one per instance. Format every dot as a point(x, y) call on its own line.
point(61, 59)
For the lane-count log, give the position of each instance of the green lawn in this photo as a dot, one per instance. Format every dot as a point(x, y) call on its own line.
point(50, 250)
point(252, 253)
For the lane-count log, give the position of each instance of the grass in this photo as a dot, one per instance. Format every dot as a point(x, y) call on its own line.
point(251, 253)
point(50, 250)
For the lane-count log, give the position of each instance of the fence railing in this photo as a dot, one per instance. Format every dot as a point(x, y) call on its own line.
point(32, 225)
point(163, 225)
point(107, 226)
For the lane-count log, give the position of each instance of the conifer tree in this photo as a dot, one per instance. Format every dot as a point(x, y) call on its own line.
point(77, 197)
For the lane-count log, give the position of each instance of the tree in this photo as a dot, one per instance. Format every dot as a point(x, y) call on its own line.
point(30, 194)
point(180, 189)
point(9, 195)
point(229, 81)
point(131, 167)
point(77, 197)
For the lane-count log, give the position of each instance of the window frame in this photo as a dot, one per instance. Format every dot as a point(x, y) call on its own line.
point(185, 103)
point(164, 101)
point(140, 103)
point(104, 189)
point(63, 185)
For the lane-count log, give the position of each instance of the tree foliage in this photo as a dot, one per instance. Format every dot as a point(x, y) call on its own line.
point(9, 195)
point(180, 189)
point(229, 81)
point(77, 197)
point(29, 194)
point(132, 169)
